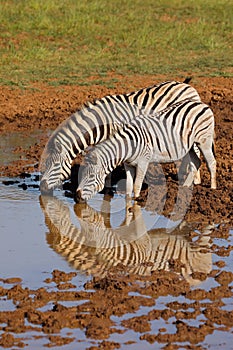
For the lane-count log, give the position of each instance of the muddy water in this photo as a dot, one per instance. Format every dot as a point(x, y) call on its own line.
point(41, 236)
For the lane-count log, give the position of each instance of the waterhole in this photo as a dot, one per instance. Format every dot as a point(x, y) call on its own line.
point(42, 235)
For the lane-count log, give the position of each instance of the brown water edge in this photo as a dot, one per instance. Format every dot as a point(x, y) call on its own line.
point(121, 292)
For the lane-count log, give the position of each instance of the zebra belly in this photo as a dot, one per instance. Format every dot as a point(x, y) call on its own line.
point(167, 157)
point(158, 157)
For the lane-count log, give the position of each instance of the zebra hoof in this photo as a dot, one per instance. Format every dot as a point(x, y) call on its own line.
point(44, 189)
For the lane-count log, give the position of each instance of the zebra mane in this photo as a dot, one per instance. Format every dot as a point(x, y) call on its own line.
point(167, 109)
point(94, 102)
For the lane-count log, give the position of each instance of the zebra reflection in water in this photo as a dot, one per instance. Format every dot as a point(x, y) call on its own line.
point(94, 246)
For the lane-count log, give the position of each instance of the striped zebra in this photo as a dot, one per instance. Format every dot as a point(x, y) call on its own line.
point(167, 136)
point(91, 245)
point(97, 121)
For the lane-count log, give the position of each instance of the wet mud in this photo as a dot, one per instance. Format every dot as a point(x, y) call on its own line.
point(150, 300)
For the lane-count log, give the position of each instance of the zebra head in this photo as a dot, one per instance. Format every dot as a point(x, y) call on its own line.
point(92, 180)
point(55, 167)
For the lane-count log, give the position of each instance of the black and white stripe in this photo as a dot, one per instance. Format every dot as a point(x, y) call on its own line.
point(163, 137)
point(94, 247)
point(97, 121)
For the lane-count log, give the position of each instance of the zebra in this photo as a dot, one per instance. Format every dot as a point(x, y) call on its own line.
point(96, 121)
point(91, 245)
point(167, 136)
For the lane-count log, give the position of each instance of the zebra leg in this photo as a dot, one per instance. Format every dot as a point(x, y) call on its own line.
point(108, 183)
point(183, 168)
point(140, 174)
point(191, 162)
point(208, 154)
point(197, 176)
point(195, 163)
point(106, 210)
point(130, 173)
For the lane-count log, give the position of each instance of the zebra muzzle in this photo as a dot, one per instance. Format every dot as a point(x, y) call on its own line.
point(78, 197)
point(44, 188)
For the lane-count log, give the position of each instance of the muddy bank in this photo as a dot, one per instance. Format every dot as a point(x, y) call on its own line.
point(46, 313)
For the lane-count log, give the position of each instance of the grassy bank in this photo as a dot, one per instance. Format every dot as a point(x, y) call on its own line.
point(68, 40)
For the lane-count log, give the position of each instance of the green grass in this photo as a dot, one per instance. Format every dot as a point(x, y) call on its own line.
point(65, 41)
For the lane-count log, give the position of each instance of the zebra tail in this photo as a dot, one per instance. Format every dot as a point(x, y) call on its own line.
point(187, 80)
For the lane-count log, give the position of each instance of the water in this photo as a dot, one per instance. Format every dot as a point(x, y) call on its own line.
point(41, 234)
point(24, 251)
point(27, 250)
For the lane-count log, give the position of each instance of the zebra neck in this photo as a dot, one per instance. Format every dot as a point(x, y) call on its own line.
point(112, 153)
